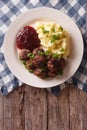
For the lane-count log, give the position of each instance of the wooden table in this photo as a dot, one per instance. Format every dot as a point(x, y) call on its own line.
point(30, 108)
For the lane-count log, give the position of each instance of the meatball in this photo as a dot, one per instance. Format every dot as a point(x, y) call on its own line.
point(52, 74)
point(30, 65)
point(36, 51)
point(40, 61)
point(38, 72)
point(53, 65)
point(62, 63)
point(23, 55)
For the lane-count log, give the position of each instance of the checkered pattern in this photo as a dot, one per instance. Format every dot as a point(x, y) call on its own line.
point(10, 9)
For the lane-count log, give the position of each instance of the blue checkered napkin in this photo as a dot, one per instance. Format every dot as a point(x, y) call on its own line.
point(10, 9)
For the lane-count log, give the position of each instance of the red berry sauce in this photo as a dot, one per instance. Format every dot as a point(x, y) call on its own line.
point(27, 38)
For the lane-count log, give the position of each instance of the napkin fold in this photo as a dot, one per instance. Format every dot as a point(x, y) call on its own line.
point(10, 9)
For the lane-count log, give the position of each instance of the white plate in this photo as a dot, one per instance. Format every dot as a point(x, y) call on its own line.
point(29, 18)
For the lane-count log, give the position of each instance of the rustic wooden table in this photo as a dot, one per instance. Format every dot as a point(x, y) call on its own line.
point(30, 108)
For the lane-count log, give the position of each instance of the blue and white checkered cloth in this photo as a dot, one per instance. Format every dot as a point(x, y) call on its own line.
point(10, 9)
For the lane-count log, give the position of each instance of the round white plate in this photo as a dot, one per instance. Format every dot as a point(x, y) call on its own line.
point(30, 18)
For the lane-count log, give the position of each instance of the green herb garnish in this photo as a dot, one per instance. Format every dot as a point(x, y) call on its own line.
point(45, 31)
point(55, 55)
point(54, 38)
point(43, 69)
point(31, 55)
point(53, 29)
point(31, 71)
point(59, 56)
point(60, 28)
point(62, 50)
point(60, 72)
point(41, 53)
point(47, 52)
point(42, 28)
point(23, 62)
point(30, 64)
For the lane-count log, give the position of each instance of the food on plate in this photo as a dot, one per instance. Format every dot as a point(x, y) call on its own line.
point(23, 55)
point(53, 65)
point(40, 61)
point(42, 74)
point(42, 66)
point(53, 38)
point(30, 65)
point(43, 49)
point(27, 38)
point(37, 50)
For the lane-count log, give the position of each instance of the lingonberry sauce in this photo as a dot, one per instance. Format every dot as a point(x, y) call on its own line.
point(27, 38)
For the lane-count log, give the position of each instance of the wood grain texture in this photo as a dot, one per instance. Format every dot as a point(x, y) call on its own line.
point(35, 109)
point(1, 112)
point(78, 109)
point(13, 111)
point(29, 108)
point(58, 111)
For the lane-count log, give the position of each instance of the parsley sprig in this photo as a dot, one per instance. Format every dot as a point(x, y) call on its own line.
point(41, 53)
point(44, 30)
point(31, 55)
point(60, 28)
point(54, 38)
point(62, 49)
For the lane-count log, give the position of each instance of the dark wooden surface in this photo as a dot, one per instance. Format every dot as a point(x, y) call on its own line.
point(30, 108)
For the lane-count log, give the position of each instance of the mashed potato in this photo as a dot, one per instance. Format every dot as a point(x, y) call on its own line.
point(53, 38)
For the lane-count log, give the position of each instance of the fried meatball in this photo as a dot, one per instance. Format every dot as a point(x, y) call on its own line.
point(30, 65)
point(53, 65)
point(40, 61)
point(38, 72)
point(23, 55)
point(52, 74)
point(37, 50)
point(62, 63)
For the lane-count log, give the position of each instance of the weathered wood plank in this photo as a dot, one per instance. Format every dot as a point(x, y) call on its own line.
point(35, 109)
point(1, 112)
point(29, 108)
point(78, 109)
point(13, 110)
point(58, 111)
